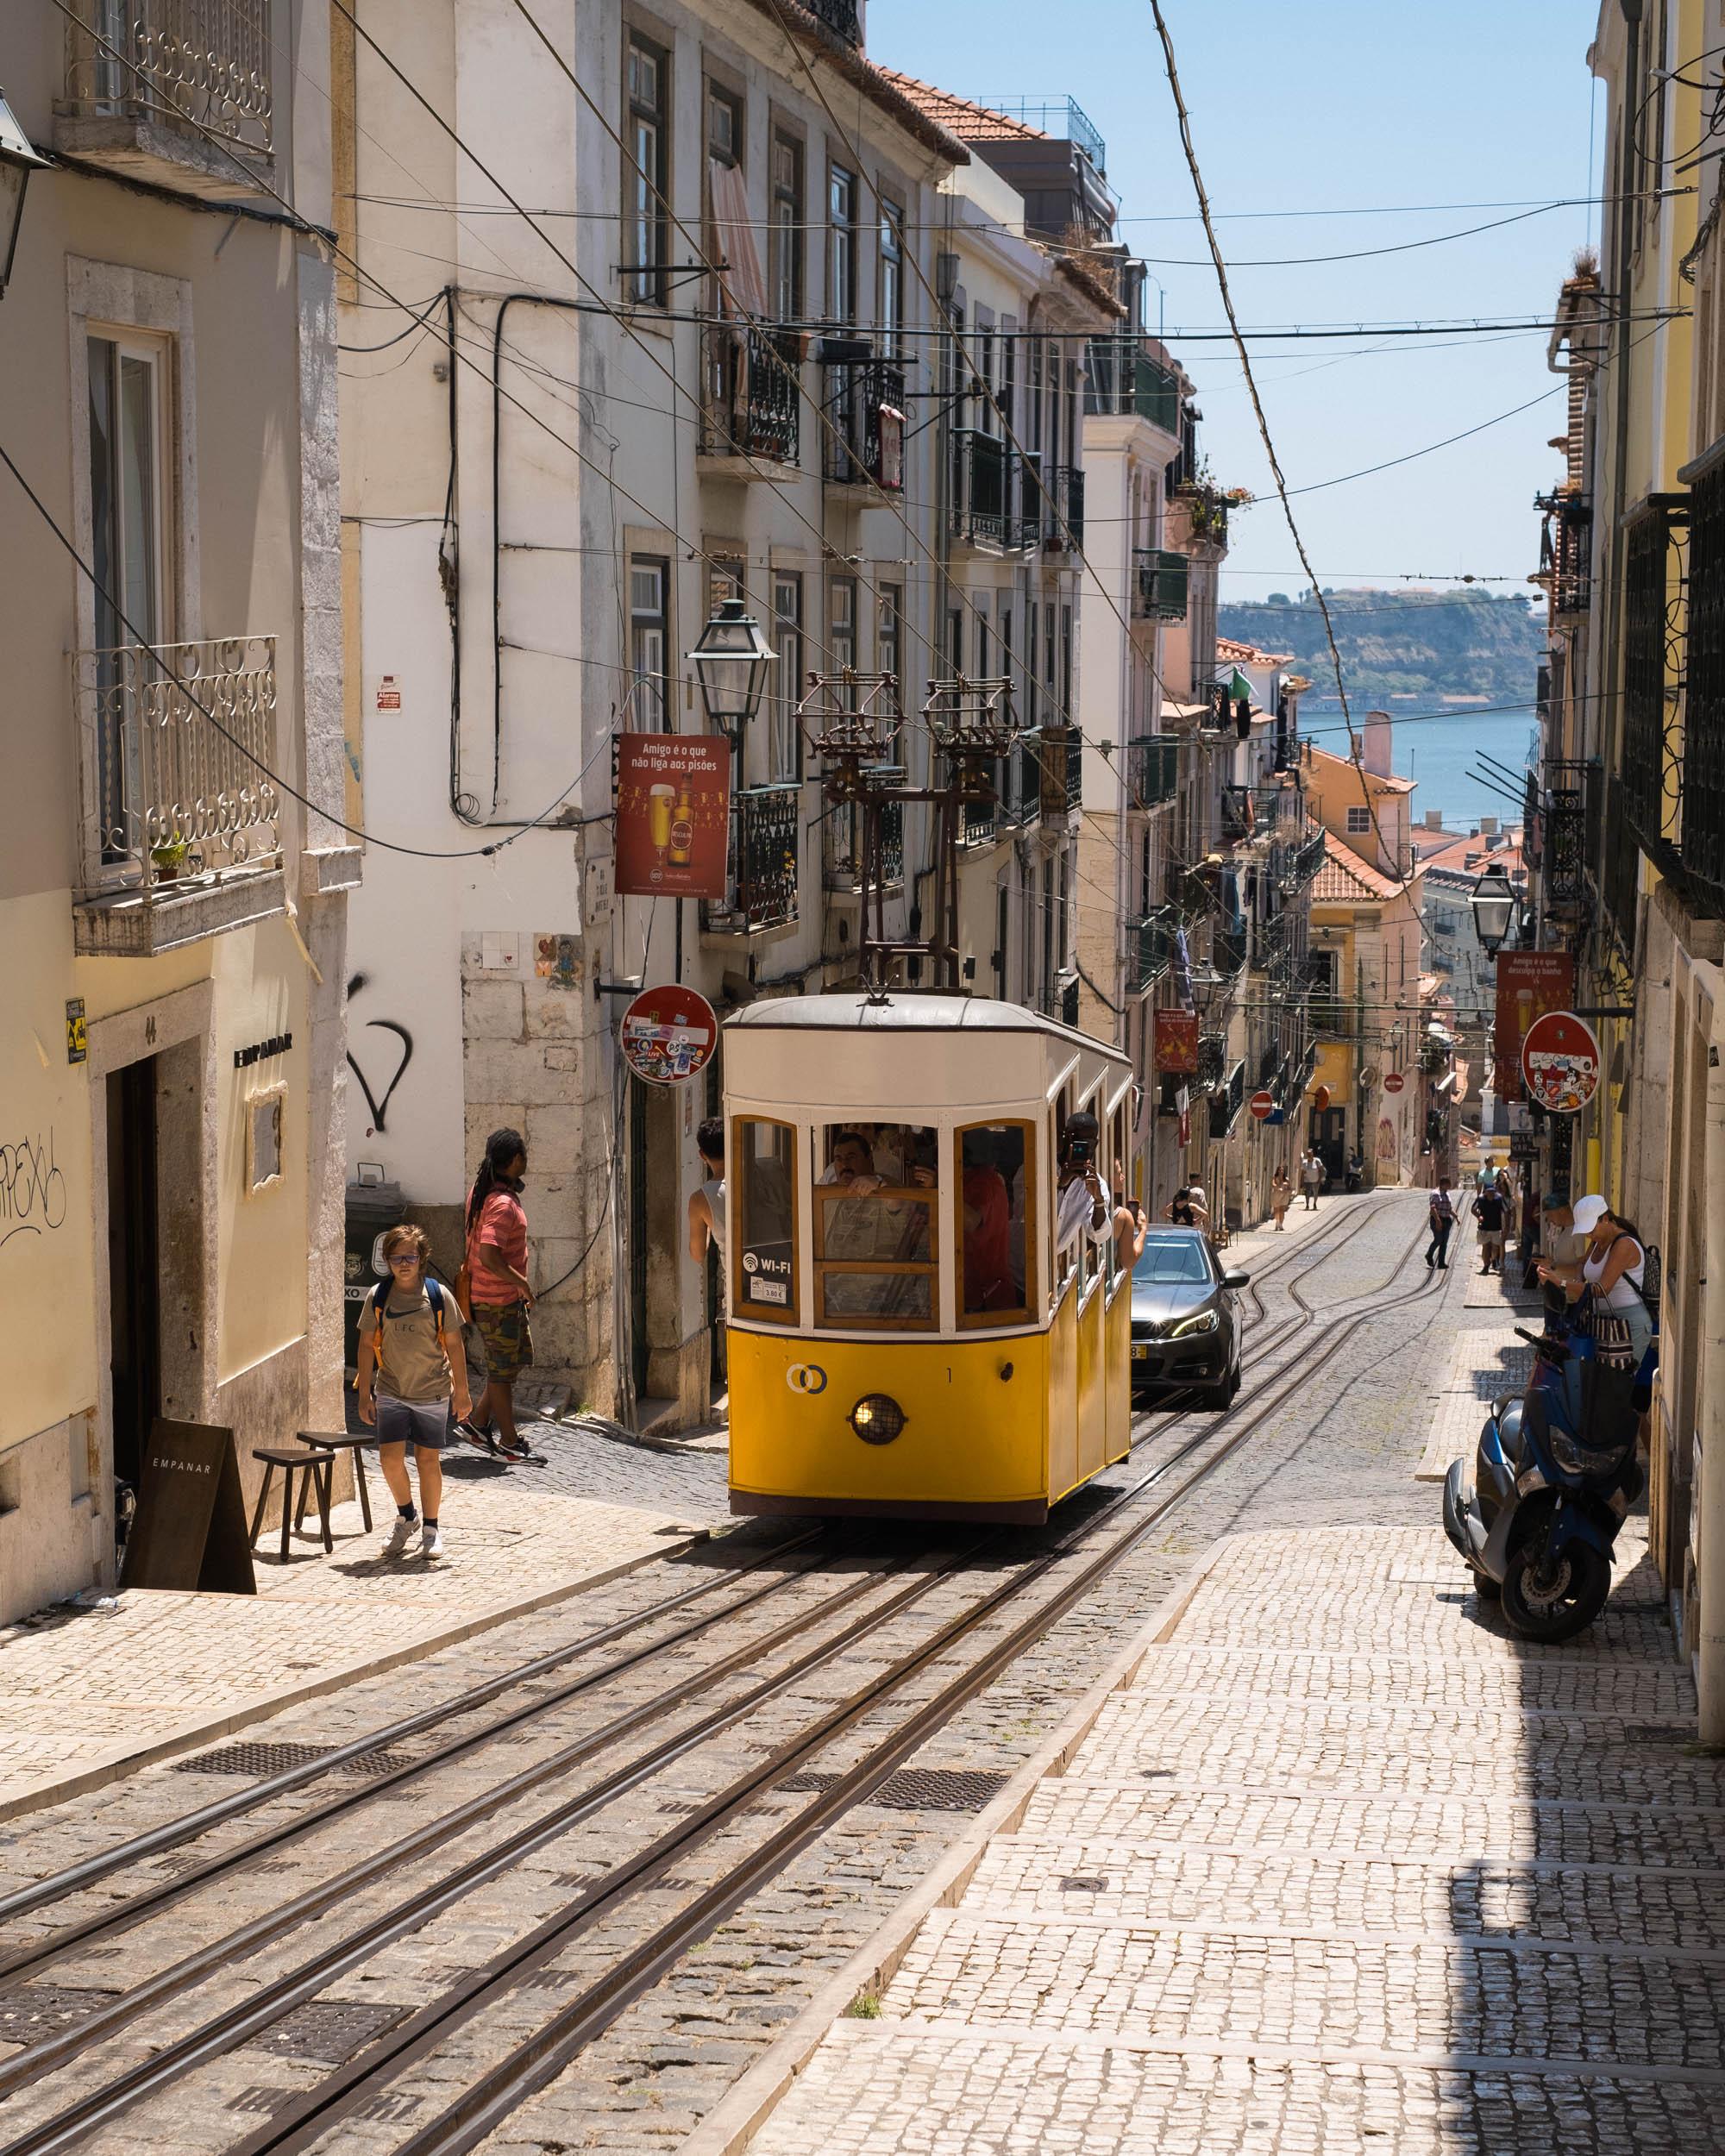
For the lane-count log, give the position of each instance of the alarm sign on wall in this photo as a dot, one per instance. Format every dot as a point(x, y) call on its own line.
point(668, 1034)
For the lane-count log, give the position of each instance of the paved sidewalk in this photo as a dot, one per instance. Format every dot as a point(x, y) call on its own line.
point(1344, 1868)
point(86, 1694)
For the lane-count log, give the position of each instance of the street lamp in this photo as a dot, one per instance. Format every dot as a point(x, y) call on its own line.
point(1495, 905)
point(17, 161)
point(731, 659)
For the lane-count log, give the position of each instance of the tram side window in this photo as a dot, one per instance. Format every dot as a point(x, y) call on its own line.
point(1079, 1247)
point(762, 1167)
point(996, 1224)
point(876, 1235)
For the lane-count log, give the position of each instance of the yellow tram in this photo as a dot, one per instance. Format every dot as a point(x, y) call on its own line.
point(924, 1318)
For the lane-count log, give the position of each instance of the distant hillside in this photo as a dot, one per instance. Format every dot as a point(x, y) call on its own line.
point(1403, 644)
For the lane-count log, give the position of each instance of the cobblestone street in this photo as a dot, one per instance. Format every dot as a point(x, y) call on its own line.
point(1272, 1842)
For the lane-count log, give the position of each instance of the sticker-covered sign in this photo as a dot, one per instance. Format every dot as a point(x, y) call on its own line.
point(1560, 1062)
point(673, 815)
point(668, 1034)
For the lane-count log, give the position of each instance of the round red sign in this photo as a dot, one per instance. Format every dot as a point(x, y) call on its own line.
point(1263, 1106)
point(668, 1034)
point(1393, 1082)
point(1561, 1061)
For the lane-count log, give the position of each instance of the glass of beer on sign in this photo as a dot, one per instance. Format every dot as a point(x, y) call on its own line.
point(659, 802)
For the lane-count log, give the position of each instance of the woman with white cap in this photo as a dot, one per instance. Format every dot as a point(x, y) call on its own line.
point(1614, 1265)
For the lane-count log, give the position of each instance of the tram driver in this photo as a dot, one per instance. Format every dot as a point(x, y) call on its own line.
point(879, 1221)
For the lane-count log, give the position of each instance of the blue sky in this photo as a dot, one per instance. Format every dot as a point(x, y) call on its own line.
point(1348, 105)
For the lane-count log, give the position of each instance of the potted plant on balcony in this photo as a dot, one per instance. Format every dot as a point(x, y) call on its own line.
point(168, 858)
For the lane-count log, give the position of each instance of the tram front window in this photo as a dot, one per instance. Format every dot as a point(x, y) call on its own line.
point(996, 1241)
point(874, 1226)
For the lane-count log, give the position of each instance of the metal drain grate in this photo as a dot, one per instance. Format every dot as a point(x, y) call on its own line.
point(45, 2009)
point(259, 1762)
point(1082, 1886)
point(329, 2030)
point(916, 1789)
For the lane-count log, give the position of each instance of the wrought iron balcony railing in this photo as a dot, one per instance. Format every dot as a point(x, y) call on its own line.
point(1569, 834)
point(839, 16)
point(1153, 947)
point(865, 402)
point(979, 823)
point(1152, 769)
point(200, 66)
point(1226, 1101)
point(1228, 951)
point(766, 846)
point(1060, 763)
point(1068, 1004)
point(1125, 381)
point(166, 798)
point(1159, 584)
point(1207, 510)
point(752, 396)
point(844, 842)
point(1300, 863)
point(993, 501)
point(1061, 508)
point(1565, 552)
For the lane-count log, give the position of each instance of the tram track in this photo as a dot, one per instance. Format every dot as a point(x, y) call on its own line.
point(528, 2066)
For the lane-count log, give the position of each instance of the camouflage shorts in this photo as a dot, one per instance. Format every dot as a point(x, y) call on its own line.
point(507, 1339)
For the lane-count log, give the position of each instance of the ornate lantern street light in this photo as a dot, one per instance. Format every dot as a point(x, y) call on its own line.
point(1496, 905)
point(17, 161)
point(731, 659)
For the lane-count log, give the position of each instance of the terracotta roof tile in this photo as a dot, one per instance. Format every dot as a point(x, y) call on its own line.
point(962, 116)
point(1239, 655)
point(1344, 878)
point(1387, 785)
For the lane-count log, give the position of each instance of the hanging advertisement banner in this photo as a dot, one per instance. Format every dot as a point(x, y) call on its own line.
point(668, 1034)
point(1529, 984)
point(1560, 1062)
point(673, 815)
point(1176, 1041)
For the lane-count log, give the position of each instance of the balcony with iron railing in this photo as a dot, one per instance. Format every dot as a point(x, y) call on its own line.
point(1152, 770)
point(1160, 582)
point(840, 16)
point(1059, 753)
point(842, 846)
point(1300, 864)
point(177, 92)
point(179, 820)
point(1151, 950)
point(979, 821)
point(1061, 507)
point(1569, 835)
point(863, 399)
point(993, 498)
point(1226, 1101)
point(761, 870)
point(1125, 382)
point(751, 398)
point(1566, 552)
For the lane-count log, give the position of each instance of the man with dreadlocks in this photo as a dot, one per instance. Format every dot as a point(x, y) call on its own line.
point(501, 1297)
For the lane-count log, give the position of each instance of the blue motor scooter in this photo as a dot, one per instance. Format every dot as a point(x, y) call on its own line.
point(1553, 1476)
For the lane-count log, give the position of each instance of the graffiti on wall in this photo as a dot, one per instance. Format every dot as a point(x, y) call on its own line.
point(377, 1102)
point(32, 1188)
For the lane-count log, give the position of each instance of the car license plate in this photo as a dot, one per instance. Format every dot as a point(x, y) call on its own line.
point(1140, 1350)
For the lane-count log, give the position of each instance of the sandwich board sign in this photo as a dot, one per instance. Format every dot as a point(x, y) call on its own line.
point(189, 1530)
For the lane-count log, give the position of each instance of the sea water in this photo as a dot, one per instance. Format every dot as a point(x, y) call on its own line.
point(1443, 757)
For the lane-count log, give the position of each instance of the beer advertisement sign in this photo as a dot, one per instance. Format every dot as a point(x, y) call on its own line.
point(1176, 1041)
point(1530, 983)
point(673, 815)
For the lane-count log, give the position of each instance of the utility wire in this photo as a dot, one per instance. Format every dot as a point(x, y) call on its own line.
point(1385, 852)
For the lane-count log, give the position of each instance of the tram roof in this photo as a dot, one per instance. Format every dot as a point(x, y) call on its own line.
point(855, 1011)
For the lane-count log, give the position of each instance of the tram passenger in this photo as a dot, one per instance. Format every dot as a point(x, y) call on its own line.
point(989, 1283)
point(1084, 1206)
point(865, 1225)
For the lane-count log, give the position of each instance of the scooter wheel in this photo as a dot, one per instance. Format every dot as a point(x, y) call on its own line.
point(1556, 1606)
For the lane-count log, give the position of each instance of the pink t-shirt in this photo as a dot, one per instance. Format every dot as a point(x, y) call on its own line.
point(503, 1225)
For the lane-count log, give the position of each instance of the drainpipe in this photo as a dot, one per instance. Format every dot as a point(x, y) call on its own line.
point(1708, 1535)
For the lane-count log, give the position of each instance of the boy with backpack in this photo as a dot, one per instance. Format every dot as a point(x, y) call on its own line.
point(410, 1378)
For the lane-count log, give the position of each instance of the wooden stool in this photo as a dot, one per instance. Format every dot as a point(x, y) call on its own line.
point(334, 1441)
point(318, 1471)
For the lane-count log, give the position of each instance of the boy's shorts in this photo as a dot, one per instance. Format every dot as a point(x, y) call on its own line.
point(424, 1423)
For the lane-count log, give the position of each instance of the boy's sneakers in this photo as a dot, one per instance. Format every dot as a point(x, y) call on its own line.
point(432, 1545)
point(399, 1536)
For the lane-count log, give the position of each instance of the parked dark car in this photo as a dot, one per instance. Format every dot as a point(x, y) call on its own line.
point(1184, 1332)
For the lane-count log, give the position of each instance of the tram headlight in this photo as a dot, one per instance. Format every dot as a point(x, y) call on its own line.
point(877, 1418)
point(1206, 1321)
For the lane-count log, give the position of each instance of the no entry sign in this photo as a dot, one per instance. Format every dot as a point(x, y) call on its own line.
point(1393, 1082)
point(668, 1034)
point(1561, 1061)
point(1263, 1106)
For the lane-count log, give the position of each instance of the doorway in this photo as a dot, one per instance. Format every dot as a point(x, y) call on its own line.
point(134, 1267)
point(637, 1236)
point(1329, 1143)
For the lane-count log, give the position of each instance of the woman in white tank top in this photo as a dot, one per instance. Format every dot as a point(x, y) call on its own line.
point(1614, 1265)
